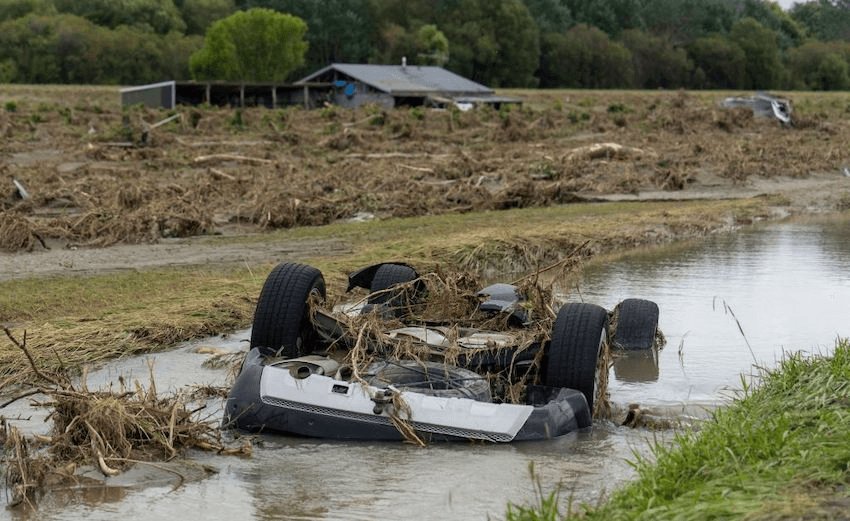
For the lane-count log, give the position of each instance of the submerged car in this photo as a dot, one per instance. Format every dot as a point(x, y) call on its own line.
point(377, 370)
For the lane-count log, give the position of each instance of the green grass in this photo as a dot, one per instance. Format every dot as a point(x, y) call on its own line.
point(780, 451)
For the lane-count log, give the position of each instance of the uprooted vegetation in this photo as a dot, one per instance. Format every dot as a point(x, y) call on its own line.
point(108, 429)
point(92, 181)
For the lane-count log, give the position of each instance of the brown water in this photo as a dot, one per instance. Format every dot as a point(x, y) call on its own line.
point(787, 286)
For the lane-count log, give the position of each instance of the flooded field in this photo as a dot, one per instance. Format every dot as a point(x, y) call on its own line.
point(786, 286)
point(726, 303)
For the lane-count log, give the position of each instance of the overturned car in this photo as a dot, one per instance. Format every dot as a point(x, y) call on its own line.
point(505, 367)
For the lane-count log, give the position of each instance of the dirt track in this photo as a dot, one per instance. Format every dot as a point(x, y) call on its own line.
point(101, 199)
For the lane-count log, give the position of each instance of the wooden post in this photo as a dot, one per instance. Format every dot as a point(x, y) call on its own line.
point(306, 96)
point(274, 96)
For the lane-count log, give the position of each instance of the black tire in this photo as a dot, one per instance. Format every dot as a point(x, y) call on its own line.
point(282, 323)
point(637, 322)
point(431, 378)
point(387, 276)
point(573, 354)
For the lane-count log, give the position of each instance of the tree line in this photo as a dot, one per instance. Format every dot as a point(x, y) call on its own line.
point(698, 44)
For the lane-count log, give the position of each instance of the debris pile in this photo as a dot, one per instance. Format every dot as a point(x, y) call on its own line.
point(286, 168)
point(110, 429)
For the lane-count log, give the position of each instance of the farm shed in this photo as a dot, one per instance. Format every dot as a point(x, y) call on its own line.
point(395, 85)
point(168, 94)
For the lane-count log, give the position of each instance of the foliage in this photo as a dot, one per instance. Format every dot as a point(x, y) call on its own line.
point(493, 42)
point(719, 63)
point(200, 14)
point(611, 16)
point(684, 21)
point(160, 16)
point(585, 57)
point(824, 19)
point(70, 49)
point(432, 46)
point(820, 66)
point(12, 9)
point(258, 45)
point(656, 62)
point(550, 15)
point(501, 43)
point(338, 30)
point(425, 46)
point(763, 68)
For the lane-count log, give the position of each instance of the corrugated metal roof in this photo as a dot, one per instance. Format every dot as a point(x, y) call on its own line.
point(405, 80)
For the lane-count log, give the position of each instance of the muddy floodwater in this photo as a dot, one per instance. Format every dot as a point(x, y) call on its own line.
point(726, 304)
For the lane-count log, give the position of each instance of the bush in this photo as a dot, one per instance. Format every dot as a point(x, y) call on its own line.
point(820, 66)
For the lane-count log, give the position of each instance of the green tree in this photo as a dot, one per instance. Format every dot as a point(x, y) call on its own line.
point(70, 49)
point(824, 19)
point(12, 9)
point(763, 68)
point(683, 21)
point(719, 63)
point(28, 47)
point(425, 46)
point(258, 45)
point(820, 66)
point(550, 15)
point(394, 43)
point(611, 16)
point(160, 16)
point(339, 31)
point(656, 62)
point(494, 42)
point(198, 15)
point(432, 46)
point(585, 57)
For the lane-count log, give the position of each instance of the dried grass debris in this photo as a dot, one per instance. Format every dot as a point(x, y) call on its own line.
point(112, 429)
point(18, 233)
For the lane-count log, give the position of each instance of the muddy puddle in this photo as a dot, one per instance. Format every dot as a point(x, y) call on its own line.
point(786, 287)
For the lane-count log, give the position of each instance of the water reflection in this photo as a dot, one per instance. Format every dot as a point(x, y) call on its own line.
point(636, 366)
point(730, 303)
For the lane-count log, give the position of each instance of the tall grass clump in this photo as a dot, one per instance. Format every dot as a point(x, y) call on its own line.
point(779, 451)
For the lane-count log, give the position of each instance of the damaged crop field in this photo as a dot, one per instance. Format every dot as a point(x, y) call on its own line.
point(95, 175)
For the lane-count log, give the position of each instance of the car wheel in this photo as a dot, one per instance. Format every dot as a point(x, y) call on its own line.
point(431, 378)
point(637, 322)
point(573, 354)
point(282, 323)
point(387, 276)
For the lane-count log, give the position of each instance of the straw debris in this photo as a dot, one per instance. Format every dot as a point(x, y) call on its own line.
point(111, 429)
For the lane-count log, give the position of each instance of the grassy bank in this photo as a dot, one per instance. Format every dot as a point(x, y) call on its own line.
point(781, 451)
point(74, 320)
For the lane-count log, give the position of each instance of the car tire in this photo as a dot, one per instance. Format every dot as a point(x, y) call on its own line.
point(282, 325)
point(431, 378)
point(387, 276)
point(573, 354)
point(637, 322)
